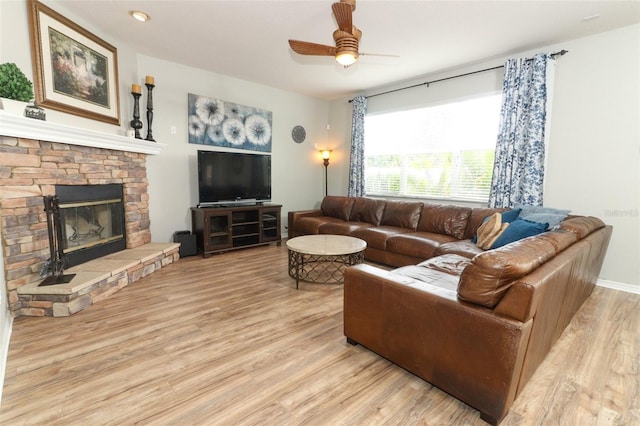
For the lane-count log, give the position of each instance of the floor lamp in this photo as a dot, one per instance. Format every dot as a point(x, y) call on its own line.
point(326, 154)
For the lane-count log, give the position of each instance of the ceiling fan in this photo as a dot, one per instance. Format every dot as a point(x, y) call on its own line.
point(346, 37)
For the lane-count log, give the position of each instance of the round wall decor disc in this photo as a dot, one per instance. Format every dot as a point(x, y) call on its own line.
point(298, 134)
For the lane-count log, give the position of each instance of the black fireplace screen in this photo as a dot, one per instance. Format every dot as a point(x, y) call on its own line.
point(92, 221)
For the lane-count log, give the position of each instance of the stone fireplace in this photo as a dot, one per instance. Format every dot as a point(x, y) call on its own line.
point(44, 164)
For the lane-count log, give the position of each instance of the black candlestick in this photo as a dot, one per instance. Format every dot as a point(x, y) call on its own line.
point(136, 124)
point(149, 112)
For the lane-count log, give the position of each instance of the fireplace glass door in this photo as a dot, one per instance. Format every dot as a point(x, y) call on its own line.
point(91, 223)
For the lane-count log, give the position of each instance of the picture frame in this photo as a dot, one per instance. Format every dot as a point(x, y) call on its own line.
point(74, 71)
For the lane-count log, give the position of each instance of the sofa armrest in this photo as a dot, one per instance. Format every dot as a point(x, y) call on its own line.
point(464, 349)
point(292, 216)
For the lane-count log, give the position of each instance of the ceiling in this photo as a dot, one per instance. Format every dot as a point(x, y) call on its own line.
point(247, 39)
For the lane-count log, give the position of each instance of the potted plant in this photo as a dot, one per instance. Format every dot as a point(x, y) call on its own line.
point(14, 86)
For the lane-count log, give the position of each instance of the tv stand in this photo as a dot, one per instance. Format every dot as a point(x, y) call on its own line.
point(219, 229)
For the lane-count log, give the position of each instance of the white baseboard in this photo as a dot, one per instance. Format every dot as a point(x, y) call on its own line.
point(629, 288)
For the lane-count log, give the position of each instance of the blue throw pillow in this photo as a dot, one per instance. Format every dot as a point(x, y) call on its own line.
point(510, 215)
point(507, 216)
point(519, 229)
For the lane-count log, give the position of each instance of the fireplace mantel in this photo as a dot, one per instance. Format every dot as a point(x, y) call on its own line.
point(22, 127)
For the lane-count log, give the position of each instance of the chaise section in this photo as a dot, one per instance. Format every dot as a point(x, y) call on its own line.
point(461, 348)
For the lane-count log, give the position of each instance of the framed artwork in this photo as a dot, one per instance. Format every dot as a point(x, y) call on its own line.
point(73, 70)
point(220, 123)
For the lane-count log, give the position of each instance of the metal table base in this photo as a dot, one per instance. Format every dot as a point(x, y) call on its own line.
point(315, 268)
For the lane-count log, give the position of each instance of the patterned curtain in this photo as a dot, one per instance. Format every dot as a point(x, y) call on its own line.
point(518, 171)
point(356, 162)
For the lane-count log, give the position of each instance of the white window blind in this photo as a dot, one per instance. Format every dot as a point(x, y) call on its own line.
point(443, 152)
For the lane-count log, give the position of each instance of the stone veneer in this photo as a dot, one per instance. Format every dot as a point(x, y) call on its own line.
point(30, 169)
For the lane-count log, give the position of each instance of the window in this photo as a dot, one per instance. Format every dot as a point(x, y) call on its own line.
point(443, 152)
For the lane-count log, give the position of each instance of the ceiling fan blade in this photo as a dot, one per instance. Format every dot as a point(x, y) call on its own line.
point(306, 48)
point(343, 14)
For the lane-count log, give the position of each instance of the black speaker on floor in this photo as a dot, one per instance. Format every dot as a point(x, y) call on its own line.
point(187, 242)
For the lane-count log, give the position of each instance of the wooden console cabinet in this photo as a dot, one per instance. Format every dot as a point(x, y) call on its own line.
point(220, 229)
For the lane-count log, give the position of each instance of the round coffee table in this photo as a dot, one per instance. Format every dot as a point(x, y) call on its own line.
point(323, 258)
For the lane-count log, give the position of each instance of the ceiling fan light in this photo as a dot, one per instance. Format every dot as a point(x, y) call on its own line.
point(346, 58)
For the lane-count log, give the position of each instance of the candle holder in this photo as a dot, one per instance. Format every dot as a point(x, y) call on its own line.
point(136, 124)
point(149, 112)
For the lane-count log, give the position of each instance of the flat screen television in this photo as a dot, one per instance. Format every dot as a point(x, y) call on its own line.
point(233, 178)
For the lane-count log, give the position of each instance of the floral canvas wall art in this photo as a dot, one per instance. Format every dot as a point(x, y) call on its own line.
point(220, 123)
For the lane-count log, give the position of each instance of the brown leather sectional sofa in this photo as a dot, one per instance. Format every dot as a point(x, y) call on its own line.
point(474, 323)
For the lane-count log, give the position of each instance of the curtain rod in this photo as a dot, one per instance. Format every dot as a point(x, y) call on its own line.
point(427, 83)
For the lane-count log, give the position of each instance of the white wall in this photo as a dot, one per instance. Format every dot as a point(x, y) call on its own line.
point(594, 154)
point(594, 150)
point(297, 171)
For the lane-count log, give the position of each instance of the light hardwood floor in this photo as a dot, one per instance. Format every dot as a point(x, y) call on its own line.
point(228, 340)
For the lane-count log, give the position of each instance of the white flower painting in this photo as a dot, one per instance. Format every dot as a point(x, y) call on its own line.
point(221, 123)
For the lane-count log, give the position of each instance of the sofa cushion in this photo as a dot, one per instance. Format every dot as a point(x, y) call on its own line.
point(452, 264)
point(421, 245)
point(310, 224)
point(444, 219)
point(510, 215)
point(402, 214)
point(441, 271)
point(341, 227)
point(376, 237)
point(491, 273)
point(367, 210)
point(338, 207)
point(464, 248)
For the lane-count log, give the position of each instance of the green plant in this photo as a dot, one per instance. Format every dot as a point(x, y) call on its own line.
point(14, 84)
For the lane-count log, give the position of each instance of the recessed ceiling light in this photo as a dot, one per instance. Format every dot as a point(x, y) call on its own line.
point(140, 16)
